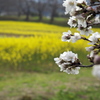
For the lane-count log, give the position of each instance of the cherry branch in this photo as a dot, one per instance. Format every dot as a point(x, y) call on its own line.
point(85, 39)
point(86, 65)
point(93, 24)
point(94, 4)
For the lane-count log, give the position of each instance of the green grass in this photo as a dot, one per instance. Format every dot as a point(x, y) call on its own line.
point(61, 21)
point(51, 86)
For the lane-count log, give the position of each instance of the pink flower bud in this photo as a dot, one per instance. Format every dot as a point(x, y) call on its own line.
point(97, 59)
point(89, 8)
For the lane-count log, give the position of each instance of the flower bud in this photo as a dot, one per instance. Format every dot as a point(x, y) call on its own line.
point(89, 8)
point(89, 48)
point(96, 59)
point(96, 71)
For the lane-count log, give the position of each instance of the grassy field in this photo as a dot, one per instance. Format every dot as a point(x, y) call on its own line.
point(51, 86)
point(27, 68)
point(61, 21)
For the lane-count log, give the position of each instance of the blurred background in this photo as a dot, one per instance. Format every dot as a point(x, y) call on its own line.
point(31, 10)
point(30, 39)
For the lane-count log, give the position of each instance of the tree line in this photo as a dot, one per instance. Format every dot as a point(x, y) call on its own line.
point(50, 8)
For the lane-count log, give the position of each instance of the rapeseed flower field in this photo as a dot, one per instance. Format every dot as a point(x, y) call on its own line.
point(42, 46)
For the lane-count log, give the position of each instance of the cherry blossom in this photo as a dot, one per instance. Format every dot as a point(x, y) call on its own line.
point(94, 38)
point(83, 15)
point(69, 5)
point(66, 62)
point(66, 36)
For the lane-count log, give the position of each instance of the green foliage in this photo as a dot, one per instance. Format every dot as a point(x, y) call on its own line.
point(48, 86)
point(89, 94)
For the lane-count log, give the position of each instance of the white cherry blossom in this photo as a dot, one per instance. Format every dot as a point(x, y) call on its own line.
point(89, 48)
point(72, 12)
point(82, 22)
point(65, 62)
point(81, 1)
point(97, 18)
point(76, 37)
point(72, 70)
point(69, 56)
point(78, 8)
point(69, 5)
point(72, 21)
point(58, 61)
point(66, 36)
point(96, 71)
point(62, 67)
point(84, 14)
point(92, 53)
point(85, 31)
point(94, 38)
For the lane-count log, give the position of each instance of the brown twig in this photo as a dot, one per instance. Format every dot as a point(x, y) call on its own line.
point(84, 38)
point(86, 65)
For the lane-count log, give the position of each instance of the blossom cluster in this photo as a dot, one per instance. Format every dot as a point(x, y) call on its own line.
point(83, 15)
point(68, 62)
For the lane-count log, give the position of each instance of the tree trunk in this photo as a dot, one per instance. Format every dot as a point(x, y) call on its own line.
point(40, 16)
point(27, 16)
point(19, 14)
point(52, 16)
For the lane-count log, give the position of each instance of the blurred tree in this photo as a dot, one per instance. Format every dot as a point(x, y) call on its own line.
point(19, 7)
point(54, 5)
point(26, 6)
point(49, 8)
point(7, 6)
point(40, 7)
point(2, 6)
